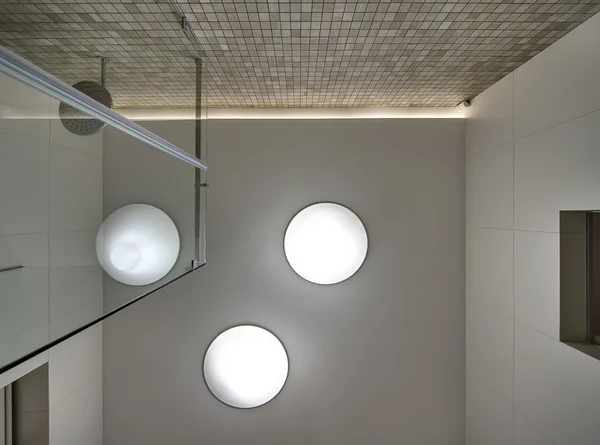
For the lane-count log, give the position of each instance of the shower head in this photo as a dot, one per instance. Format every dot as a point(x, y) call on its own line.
point(78, 122)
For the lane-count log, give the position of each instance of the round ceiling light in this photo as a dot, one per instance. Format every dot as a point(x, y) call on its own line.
point(326, 243)
point(245, 366)
point(137, 244)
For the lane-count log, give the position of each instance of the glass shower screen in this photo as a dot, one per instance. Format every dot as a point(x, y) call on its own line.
point(96, 211)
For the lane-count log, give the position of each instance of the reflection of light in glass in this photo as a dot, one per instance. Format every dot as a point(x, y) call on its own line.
point(245, 366)
point(325, 243)
point(137, 244)
point(125, 256)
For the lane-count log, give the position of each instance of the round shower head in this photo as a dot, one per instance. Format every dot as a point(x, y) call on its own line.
point(77, 121)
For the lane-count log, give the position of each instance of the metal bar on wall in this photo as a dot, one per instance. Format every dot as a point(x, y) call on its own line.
point(24, 71)
point(200, 254)
point(15, 267)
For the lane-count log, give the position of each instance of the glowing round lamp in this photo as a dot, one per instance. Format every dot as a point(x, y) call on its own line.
point(326, 243)
point(245, 366)
point(137, 244)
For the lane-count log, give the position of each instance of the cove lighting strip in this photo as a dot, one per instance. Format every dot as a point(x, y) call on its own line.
point(295, 113)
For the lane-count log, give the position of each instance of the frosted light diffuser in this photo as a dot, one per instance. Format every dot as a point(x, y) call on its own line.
point(137, 244)
point(326, 243)
point(245, 366)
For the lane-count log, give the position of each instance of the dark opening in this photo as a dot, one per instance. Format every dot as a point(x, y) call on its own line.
point(593, 278)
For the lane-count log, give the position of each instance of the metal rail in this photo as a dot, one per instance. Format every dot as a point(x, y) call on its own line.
point(24, 71)
point(7, 268)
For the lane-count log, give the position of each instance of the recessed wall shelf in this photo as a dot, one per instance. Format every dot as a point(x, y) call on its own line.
point(580, 280)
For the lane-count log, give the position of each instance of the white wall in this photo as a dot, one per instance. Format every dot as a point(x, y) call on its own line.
point(533, 148)
point(50, 210)
point(75, 387)
point(378, 358)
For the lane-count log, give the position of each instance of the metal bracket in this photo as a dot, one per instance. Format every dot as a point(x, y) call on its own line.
point(195, 263)
point(6, 269)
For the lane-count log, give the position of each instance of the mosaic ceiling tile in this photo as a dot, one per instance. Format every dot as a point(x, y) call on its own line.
point(277, 53)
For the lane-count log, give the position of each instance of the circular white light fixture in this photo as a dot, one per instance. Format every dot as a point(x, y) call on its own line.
point(245, 366)
point(326, 243)
point(137, 244)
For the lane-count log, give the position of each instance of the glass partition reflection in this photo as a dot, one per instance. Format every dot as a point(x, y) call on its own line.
point(91, 218)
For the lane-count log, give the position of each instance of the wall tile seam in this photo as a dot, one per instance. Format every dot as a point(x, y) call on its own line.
point(549, 232)
point(49, 210)
point(491, 308)
point(514, 334)
point(19, 133)
point(518, 138)
point(74, 309)
point(45, 323)
point(475, 226)
point(488, 228)
point(502, 399)
point(482, 376)
point(533, 425)
point(25, 233)
point(488, 148)
point(545, 335)
point(64, 231)
point(78, 150)
point(95, 375)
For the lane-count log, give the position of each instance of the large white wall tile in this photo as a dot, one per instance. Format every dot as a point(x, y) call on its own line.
point(490, 117)
point(557, 388)
point(75, 190)
point(490, 188)
point(27, 250)
point(527, 434)
point(72, 287)
point(490, 268)
point(490, 348)
point(74, 362)
point(23, 109)
point(537, 293)
point(59, 135)
point(77, 420)
point(24, 296)
point(557, 169)
point(24, 184)
point(75, 319)
point(73, 248)
point(489, 417)
point(15, 347)
point(561, 82)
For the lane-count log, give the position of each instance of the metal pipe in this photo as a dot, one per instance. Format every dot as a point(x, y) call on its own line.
point(103, 63)
point(24, 71)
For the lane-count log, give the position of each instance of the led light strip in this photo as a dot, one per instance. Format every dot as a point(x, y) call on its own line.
point(296, 113)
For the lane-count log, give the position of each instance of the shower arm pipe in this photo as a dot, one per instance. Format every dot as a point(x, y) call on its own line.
point(24, 71)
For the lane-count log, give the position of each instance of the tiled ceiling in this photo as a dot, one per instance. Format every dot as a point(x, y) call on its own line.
point(277, 53)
